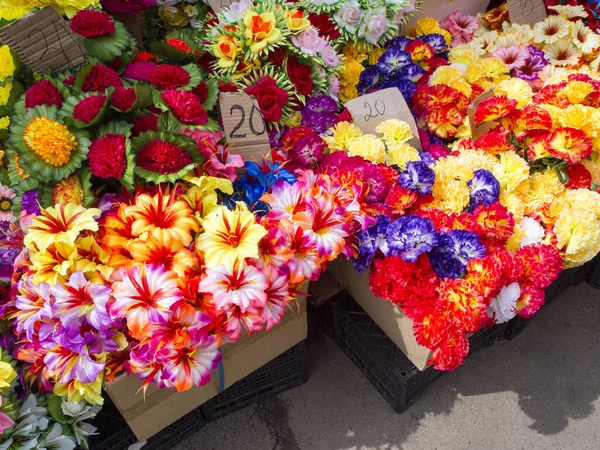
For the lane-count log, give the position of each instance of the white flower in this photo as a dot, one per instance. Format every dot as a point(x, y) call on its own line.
point(503, 306)
point(55, 440)
point(81, 411)
point(374, 25)
point(236, 11)
point(349, 16)
point(167, 2)
point(534, 232)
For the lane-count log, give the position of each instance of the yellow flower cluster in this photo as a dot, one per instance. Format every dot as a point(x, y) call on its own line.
point(15, 9)
point(428, 25)
point(349, 72)
point(391, 148)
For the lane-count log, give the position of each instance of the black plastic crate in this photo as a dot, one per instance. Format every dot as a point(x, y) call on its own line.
point(381, 361)
point(115, 434)
point(593, 275)
point(286, 371)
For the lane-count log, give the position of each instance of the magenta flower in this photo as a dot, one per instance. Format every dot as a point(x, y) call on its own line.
point(278, 296)
point(514, 56)
point(5, 421)
point(71, 365)
point(34, 304)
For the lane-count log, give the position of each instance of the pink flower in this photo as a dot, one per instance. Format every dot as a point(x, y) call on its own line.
point(514, 57)
point(278, 296)
point(461, 26)
point(374, 25)
point(5, 421)
point(33, 304)
point(309, 42)
point(330, 56)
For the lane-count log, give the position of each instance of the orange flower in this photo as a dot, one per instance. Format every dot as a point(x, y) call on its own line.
point(533, 117)
point(174, 256)
point(494, 141)
point(50, 140)
point(227, 50)
point(261, 30)
point(570, 144)
point(494, 108)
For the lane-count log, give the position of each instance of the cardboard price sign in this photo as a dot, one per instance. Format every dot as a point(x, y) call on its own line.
point(218, 5)
point(244, 126)
point(478, 130)
point(370, 110)
point(526, 12)
point(44, 41)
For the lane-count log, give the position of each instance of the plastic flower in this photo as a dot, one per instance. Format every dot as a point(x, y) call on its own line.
point(43, 93)
point(417, 176)
point(107, 156)
point(261, 30)
point(144, 295)
point(60, 224)
point(514, 57)
point(227, 50)
point(230, 236)
point(7, 64)
point(6, 197)
point(584, 38)
point(551, 29)
point(394, 131)
point(186, 107)
point(411, 236)
point(369, 147)
point(485, 189)
point(570, 144)
point(89, 23)
point(562, 53)
point(343, 134)
point(454, 250)
point(7, 374)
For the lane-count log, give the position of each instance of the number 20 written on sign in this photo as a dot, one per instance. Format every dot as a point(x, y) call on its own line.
point(254, 116)
point(375, 110)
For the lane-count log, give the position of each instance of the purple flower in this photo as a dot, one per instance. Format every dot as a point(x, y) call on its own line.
point(436, 40)
point(393, 60)
point(411, 236)
point(417, 176)
point(485, 189)
point(319, 113)
point(412, 72)
point(454, 250)
point(370, 241)
point(29, 202)
point(426, 157)
point(369, 78)
point(533, 65)
point(406, 87)
point(400, 42)
point(307, 151)
point(321, 103)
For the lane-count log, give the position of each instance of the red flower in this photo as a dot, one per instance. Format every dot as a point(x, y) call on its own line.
point(88, 108)
point(344, 116)
point(129, 6)
point(149, 122)
point(99, 78)
point(542, 264)
point(324, 25)
point(144, 56)
point(179, 44)
point(570, 144)
point(186, 106)
point(169, 76)
point(271, 99)
point(531, 300)
point(227, 87)
point(494, 108)
point(201, 91)
point(139, 70)
point(277, 56)
point(300, 76)
point(123, 98)
point(107, 156)
point(162, 157)
point(496, 221)
point(494, 141)
point(70, 80)
point(400, 199)
point(579, 177)
point(92, 23)
point(43, 93)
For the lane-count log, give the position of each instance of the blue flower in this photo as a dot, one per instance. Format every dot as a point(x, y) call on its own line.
point(411, 72)
point(258, 180)
point(485, 189)
point(411, 236)
point(370, 241)
point(436, 40)
point(454, 250)
point(393, 60)
point(400, 42)
point(417, 176)
point(426, 157)
point(406, 87)
point(369, 78)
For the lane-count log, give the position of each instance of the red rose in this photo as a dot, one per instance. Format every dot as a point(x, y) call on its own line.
point(277, 56)
point(149, 122)
point(123, 98)
point(42, 93)
point(324, 25)
point(88, 108)
point(91, 23)
point(227, 87)
point(99, 78)
point(185, 106)
point(271, 99)
point(300, 76)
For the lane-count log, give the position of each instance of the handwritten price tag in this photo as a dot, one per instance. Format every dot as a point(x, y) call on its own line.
point(44, 41)
point(218, 5)
point(370, 110)
point(244, 125)
point(478, 130)
point(526, 12)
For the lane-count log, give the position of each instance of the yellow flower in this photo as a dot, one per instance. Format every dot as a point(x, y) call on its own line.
point(245, 68)
point(523, 34)
point(343, 134)
point(7, 374)
point(7, 64)
point(347, 92)
point(50, 140)
point(296, 21)
point(427, 25)
point(513, 203)
point(578, 235)
point(505, 40)
point(510, 171)
point(485, 41)
point(15, 9)
point(61, 224)
point(551, 29)
point(75, 391)
point(70, 7)
point(230, 236)
point(5, 93)
point(514, 242)
point(463, 54)
point(173, 17)
point(584, 38)
point(261, 30)
point(350, 72)
point(369, 147)
point(475, 71)
point(455, 203)
point(562, 53)
point(447, 36)
point(4, 124)
point(517, 89)
point(593, 169)
point(69, 190)
point(227, 50)
point(494, 68)
point(394, 131)
point(544, 186)
point(577, 91)
point(54, 264)
point(569, 12)
point(579, 116)
point(375, 54)
point(202, 196)
point(402, 153)
point(92, 259)
point(447, 75)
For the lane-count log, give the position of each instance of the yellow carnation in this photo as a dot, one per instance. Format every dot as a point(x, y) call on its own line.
point(7, 64)
point(343, 134)
point(544, 186)
point(5, 93)
point(4, 123)
point(578, 235)
point(402, 153)
point(517, 89)
point(579, 116)
point(514, 242)
point(70, 7)
point(577, 91)
point(427, 25)
point(368, 146)
point(593, 169)
point(446, 75)
point(494, 68)
point(475, 71)
point(510, 171)
point(394, 131)
point(513, 203)
point(463, 54)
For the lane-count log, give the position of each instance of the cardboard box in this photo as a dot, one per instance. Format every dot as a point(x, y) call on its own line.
point(322, 290)
point(150, 413)
point(390, 319)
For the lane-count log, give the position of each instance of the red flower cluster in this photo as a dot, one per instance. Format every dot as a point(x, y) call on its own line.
point(107, 156)
point(100, 78)
point(43, 93)
point(162, 157)
point(88, 108)
point(148, 122)
point(271, 99)
point(186, 106)
point(179, 45)
point(324, 25)
point(123, 98)
point(91, 23)
point(169, 76)
point(300, 76)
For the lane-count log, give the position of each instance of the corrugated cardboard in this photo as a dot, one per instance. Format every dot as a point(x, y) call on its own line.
point(323, 289)
point(390, 319)
point(526, 12)
point(44, 41)
point(161, 407)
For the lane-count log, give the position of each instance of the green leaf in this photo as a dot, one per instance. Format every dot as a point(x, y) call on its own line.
point(563, 176)
point(54, 406)
point(107, 48)
point(213, 94)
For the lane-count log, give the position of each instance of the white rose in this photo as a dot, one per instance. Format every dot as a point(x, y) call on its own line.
point(349, 16)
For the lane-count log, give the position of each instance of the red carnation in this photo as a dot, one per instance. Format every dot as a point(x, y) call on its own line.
point(300, 76)
point(99, 78)
point(144, 56)
point(92, 23)
point(149, 122)
point(186, 106)
point(227, 87)
point(179, 44)
point(70, 80)
point(271, 99)
point(88, 108)
point(123, 98)
point(201, 91)
point(169, 76)
point(579, 177)
point(107, 156)
point(324, 25)
point(42, 93)
point(139, 70)
point(162, 157)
